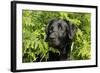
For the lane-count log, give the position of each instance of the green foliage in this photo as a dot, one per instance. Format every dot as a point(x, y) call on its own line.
point(33, 34)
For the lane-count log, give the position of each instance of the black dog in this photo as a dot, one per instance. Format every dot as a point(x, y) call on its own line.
point(59, 34)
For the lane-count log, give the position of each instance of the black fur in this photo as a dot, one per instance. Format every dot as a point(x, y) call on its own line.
point(59, 35)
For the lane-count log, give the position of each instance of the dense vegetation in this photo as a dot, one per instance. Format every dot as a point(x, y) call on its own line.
point(33, 34)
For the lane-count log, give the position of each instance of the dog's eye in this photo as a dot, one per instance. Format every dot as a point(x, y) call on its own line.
point(50, 31)
point(51, 28)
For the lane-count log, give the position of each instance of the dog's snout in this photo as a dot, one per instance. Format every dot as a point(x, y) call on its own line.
point(51, 38)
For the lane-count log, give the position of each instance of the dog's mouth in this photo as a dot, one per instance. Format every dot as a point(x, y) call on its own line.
point(54, 42)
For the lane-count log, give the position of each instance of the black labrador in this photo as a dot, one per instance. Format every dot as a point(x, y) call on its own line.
point(59, 35)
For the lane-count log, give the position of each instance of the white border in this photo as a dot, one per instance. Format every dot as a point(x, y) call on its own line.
point(38, 65)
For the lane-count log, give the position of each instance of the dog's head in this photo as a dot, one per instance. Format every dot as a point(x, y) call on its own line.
point(59, 32)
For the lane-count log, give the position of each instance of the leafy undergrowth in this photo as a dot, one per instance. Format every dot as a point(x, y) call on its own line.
point(33, 34)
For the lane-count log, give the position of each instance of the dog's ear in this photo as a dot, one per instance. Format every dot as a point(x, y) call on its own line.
point(72, 30)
